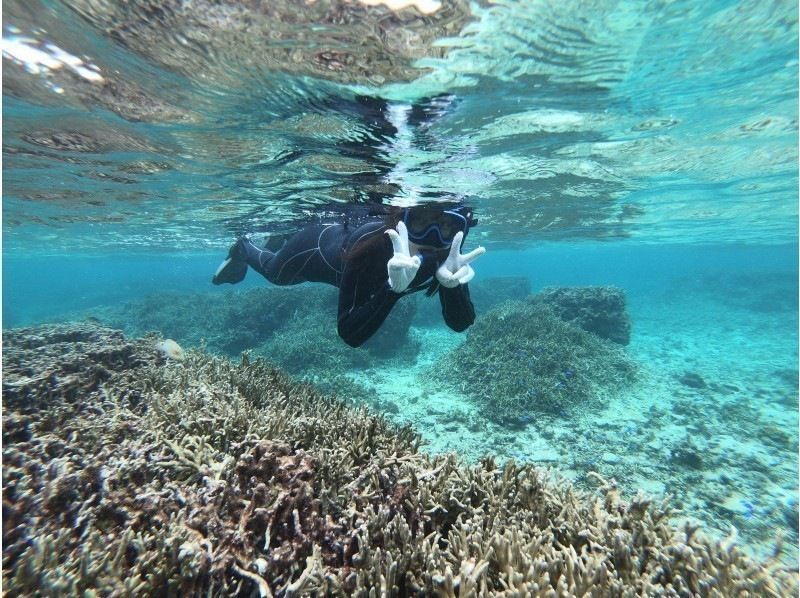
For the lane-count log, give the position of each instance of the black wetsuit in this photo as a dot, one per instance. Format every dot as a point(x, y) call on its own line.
point(317, 254)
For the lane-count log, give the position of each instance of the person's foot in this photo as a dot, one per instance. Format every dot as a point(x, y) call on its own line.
point(234, 268)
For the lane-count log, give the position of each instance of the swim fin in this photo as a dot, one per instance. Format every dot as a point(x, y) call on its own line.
point(234, 268)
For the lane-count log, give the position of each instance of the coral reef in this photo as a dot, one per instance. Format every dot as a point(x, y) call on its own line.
point(227, 323)
point(129, 474)
point(521, 359)
point(600, 310)
point(308, 346)
point(295, 327)
point(486, 293)
point(347, 389)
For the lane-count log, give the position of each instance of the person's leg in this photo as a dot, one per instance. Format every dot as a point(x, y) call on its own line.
point(297, 261)
point(258, 259)
point(242, 254)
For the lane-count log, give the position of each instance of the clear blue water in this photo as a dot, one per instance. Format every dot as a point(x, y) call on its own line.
point(76, 282)
point(648, 145)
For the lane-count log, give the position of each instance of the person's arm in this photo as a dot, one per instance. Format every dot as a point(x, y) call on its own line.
point(364, 304)
point(453, 276)
point(457, 308)
point(372, 285)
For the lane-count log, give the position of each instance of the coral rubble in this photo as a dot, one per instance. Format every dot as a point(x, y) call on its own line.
point(125, 473)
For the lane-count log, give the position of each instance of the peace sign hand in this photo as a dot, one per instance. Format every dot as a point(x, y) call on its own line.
point(456, 269)
point(402, 267)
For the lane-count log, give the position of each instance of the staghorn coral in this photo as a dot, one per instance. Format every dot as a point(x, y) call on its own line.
point(205, 477)
point(521, 358)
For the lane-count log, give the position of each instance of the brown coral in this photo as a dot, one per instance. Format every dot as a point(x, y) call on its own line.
point(204, 477)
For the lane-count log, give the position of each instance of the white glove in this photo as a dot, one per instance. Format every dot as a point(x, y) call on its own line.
point(456, 269)
point(402, 267)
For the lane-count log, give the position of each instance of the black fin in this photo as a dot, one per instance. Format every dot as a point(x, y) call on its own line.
point(230, 271)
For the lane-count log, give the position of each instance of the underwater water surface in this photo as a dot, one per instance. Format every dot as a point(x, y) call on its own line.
point(646, 148)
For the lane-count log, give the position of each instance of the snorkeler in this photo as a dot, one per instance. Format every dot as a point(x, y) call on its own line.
point(373, 265)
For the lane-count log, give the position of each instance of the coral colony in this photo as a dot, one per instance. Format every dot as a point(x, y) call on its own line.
point(551, 353)
point(129, 472)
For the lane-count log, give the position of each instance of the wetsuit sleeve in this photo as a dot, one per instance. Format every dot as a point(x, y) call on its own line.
point(457, 308)
point(362, 306)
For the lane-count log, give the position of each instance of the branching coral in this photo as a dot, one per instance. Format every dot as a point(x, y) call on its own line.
point(205, 477)
point(599, 310)
point(521, 358)
point(294, 327)
point(485, 293)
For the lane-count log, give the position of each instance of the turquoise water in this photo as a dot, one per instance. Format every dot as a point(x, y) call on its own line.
point(646, 145)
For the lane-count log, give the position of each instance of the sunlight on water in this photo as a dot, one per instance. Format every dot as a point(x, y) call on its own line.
point(660, 122)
